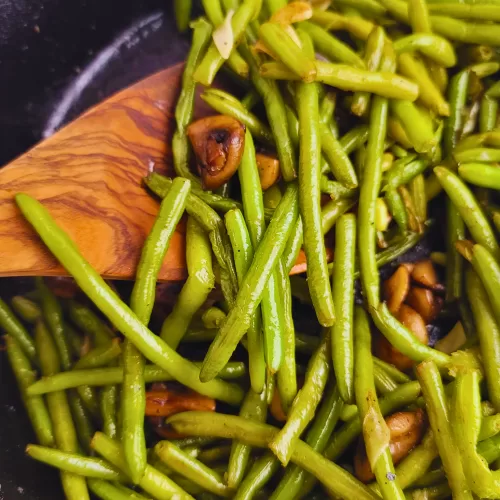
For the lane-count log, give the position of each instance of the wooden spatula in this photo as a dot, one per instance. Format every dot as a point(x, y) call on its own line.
point(89, 176)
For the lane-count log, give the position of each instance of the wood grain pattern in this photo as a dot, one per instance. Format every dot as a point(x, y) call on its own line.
point(88, 175)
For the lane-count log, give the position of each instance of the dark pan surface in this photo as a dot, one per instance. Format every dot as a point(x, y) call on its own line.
point(57, 58)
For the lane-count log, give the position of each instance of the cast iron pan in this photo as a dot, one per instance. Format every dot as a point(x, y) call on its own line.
point(58, 58)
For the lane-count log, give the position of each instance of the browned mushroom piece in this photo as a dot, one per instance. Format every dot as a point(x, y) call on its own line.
point(425, 274)
point(425, 303)
point(415, 323)
point(406, 430)
point(396, 288)
point(218, 142)
point(269, 170)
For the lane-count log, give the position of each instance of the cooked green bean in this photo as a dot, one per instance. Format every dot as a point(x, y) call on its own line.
point(369, 191)
point(195, 291)
point(116, 491)
point(480, 174)
point(82, 419)
point(99, 356)
point(376, 434)
point(374, 49)
point(470, 211)
point(310, 198)
point(254, 407)
point(384, 383)
point(330, 46)
point(114, 375)
point(90, 323)
point(488, 113)
point(77, 464)
point(398, 376)
point(276, 114)
point(343, 284)
point(355, 138)
point(74, 486)
point(439, 416)
point(191, 468)
point(182, 9)
point(432, 46)
point(304, 406)
point(261, 472)
point(109, 408)
point(35, 405)
point(345, 77)
point(118, 313)
point(28, 310)
point(152, 482)
point(13, 327)
point(253, 208)
point(317, 437)
point(331, 475)
point(219, 101)
point(213, 316)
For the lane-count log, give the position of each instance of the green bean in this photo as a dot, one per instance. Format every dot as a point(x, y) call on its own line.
point(243, 251)
point(488, 113)
point(213, 316)
point(480, 174)
point(404, 170)
point(212, 60)
point(213, 455)
point(490, 426)
point(77, 464)
point(369, 191)
point(275, 5)
point(114, 375)
point(461, 11)
point(276, 115)
point(251, 99)
point(417, 190)
point(404, 395)
point(35, 405)
point(222, 104)
point(432, 46)
point(335, 189)
point(191, 468)
point(99, 356)
point(384, 383)
point(417, 125)
point(345, 77)
point(317, 437)
point(293, 246)
point(109, 406)
point(118, 313)
point(454, 269)
point(343, 284)
point(160, 185)
point(486, 155)
point(261, 472)
point(90, 324)
point(253, 209)
point(340, 164)
point(195, 291)
point(439, 417)
point(436, 492)
point(182, 9)
point(330, 46)
point(418, 14)
point(332, 211)
point(108, 491)
point(254, 407)
point(403, 339)
point(469, 209)
point(484, 69)
point(310, 198)
point(304, 406)
point(279, 42)
point(355, 25)
point(16, 330)
point(429, 93)
point(376, 434)
point(335, 478)
point(287, 374)
point(398, 376)
point(81, 418)
point(74, 486)
point(374, 49)
point(28, 310)
point(152, 482)
point(355, 138)
point(155, 248)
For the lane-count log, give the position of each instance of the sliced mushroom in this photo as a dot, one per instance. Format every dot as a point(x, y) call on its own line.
point(218, 142)
point(406, 429)
point(425, 303)
point(269, 170)
point(425, 274)
point(415, 323)
point(396, 288)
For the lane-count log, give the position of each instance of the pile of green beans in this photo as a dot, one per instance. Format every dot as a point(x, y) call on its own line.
point(384, 117)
